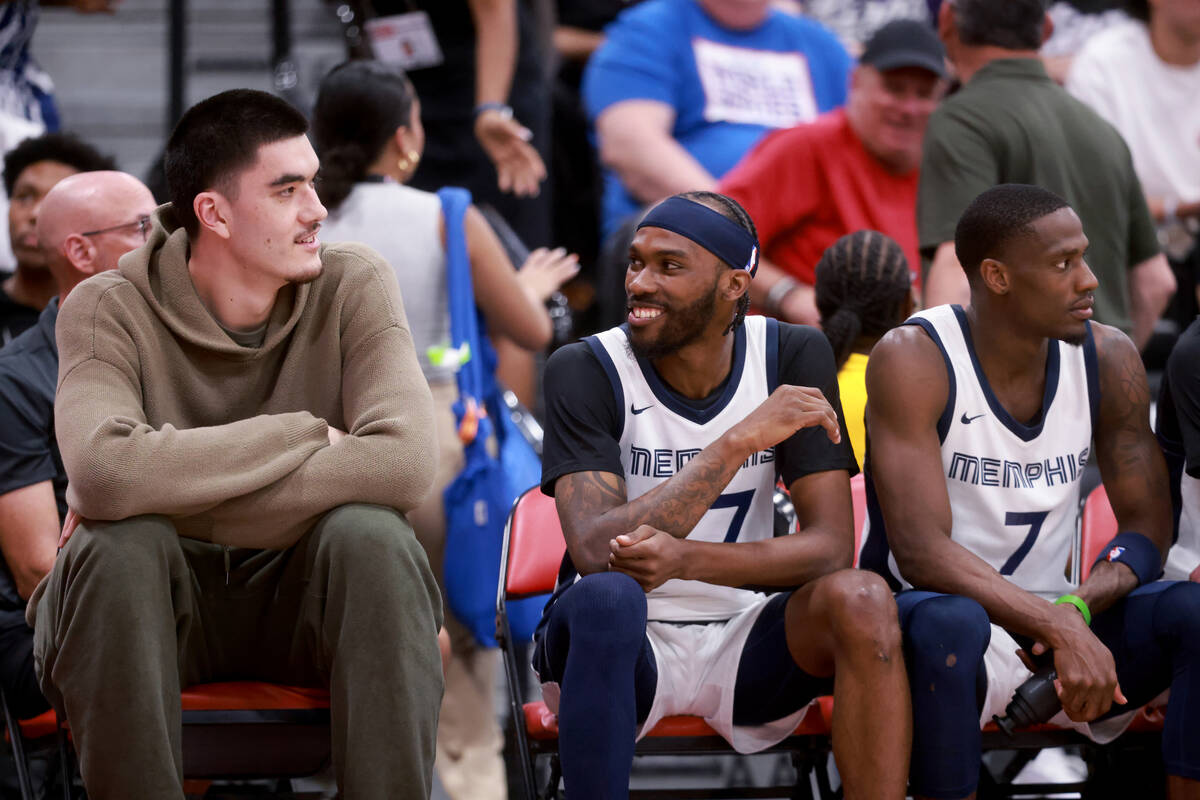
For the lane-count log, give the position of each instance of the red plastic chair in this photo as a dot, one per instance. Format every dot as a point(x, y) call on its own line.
point(1097, 527)
point(531, 556)
point(231, 730)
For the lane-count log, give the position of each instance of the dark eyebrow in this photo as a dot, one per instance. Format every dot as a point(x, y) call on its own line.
point(665, 252)
point(284, 180)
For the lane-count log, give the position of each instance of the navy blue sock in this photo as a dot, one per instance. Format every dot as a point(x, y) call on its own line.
point(596, 648)
point(945, 637)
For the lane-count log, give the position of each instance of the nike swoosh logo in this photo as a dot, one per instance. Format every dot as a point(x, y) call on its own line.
point(967, 420)
point(633, 410)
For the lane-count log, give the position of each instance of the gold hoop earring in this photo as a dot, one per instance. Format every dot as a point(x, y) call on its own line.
point(409, 161)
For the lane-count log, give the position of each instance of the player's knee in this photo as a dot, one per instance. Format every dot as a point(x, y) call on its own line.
point(948, 631)
point(1181, 606)
point(368, 534)
point(608, 605)
point(139, 547)
point(861, 609)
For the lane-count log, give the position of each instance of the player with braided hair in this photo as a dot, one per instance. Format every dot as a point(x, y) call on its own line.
point(863, 291)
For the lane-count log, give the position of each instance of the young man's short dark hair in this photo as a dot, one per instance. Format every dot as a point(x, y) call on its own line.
point(219, 137)
point(1011, 24)
point(996, 216)
point(65, 148)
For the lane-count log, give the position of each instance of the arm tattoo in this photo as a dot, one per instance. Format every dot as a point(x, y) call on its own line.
point(1130, 460)
point(674, 506)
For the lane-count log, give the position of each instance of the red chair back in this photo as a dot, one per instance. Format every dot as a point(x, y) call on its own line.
point(1097, 527)
point(535, 546)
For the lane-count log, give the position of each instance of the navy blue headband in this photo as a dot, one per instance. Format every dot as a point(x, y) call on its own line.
point(716, 233)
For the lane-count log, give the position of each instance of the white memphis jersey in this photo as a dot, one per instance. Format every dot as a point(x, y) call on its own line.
point(660, 435)
point(1013, 488)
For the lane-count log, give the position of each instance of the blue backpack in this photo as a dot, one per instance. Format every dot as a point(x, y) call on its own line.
point(479, 499)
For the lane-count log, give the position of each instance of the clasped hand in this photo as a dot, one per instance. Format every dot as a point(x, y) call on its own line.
point(649, 556)
point(1087, 675)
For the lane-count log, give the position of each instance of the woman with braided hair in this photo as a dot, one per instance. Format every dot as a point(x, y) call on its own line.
point(863, 290)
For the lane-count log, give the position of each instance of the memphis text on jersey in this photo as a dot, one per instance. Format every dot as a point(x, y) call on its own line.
point(663, 462)
point(980, 471)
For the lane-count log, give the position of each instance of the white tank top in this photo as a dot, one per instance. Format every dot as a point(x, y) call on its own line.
point(1013, 488)
point(1184, 555)
point(404, 225)
point(660, 435)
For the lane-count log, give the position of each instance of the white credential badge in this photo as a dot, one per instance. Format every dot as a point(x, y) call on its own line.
point(755, 87)
point(405, 39)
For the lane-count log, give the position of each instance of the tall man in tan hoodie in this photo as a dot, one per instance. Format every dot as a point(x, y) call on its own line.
point(243, 422)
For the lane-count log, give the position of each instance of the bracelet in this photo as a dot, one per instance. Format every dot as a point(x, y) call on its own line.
point(1170, 209)
point(1077, 601)
point(504, 109)
point(1135, 551)
point(778, 292)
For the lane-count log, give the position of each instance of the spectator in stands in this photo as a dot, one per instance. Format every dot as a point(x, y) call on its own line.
point(692, 380)
point(486, 106)
point(1177, 423)
point(981, 422)
point(863, 291)
point(574, 173)
point(87, 222)
point(27, 107)
point(242, 420)
point(852, 169)
point(1074, 23)
point(30, 170)
point(1144, 78)
point(681, 89)
point(1011, 123)
point(368, 132)
point(855, 23)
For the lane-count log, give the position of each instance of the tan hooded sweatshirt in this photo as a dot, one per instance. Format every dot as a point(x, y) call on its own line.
point(158, 411)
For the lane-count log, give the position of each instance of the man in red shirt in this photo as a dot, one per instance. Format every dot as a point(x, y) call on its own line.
point(851, 169)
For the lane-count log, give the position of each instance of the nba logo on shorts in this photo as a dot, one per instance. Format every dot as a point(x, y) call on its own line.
point(1115, 553)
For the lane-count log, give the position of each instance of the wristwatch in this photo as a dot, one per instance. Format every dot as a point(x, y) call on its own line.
point(503, 109)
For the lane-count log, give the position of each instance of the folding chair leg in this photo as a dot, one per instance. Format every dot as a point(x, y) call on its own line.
point(64, 757)
point(802, 789)
point(555, 778)
point(824, 789)
point(18, 749)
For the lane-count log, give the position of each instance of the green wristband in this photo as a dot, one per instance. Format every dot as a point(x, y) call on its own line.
point(1077, 601)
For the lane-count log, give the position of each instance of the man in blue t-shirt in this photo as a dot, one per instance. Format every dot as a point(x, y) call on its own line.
point(86, 222)
point(682, 89)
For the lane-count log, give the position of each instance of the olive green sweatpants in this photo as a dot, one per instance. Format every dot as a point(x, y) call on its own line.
point(131, 613)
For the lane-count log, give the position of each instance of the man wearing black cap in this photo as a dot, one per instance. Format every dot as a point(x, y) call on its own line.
point(664, 439)
point(852, 169)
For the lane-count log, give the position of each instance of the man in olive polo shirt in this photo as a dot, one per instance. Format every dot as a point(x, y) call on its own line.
point(1012, 124)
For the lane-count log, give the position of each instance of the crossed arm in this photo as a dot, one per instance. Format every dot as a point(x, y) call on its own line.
point(908, 387)
point(646, 537)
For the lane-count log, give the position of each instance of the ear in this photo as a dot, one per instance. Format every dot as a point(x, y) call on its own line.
point(402, 138)
point(994, 275)
point(856, 77)
point(736, 284)
point(81, 252)
point(946, 27)
point(212, 209)
point(1047, 28)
